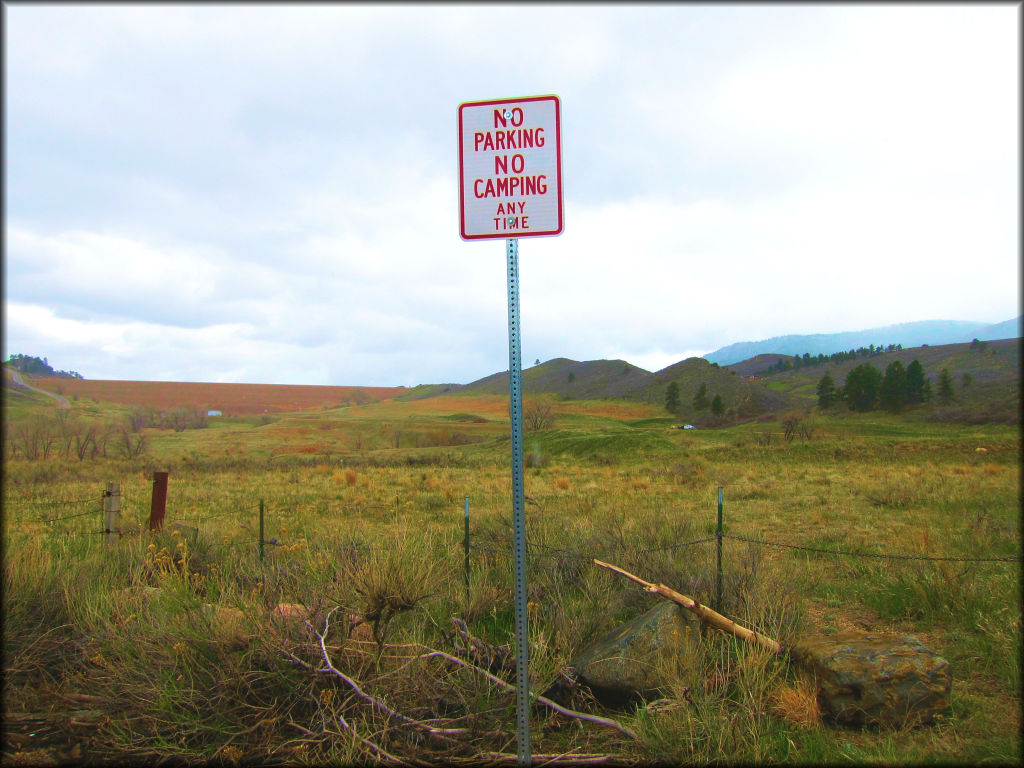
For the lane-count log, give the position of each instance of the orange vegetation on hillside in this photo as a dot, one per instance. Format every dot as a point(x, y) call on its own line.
point(494, 405)
point(229, 399)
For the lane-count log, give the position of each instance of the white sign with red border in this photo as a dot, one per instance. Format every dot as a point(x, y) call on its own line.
point(510, 168)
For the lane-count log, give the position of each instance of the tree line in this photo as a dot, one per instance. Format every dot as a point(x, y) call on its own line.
point(866, 388)
point(700, 400)
point(68, 435)
point(807, 359)
point(35, 366)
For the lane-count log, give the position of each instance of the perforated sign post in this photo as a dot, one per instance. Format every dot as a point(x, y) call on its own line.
point(510, 186)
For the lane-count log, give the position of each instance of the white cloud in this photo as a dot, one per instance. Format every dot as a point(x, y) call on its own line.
point(270, 191)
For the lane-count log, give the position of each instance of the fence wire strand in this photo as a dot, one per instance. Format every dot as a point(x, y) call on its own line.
point(879, 555)
point(47, 503)
point(556, 552)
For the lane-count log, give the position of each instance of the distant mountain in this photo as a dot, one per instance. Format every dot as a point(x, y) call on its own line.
point(931, 332)
point(1008, 329)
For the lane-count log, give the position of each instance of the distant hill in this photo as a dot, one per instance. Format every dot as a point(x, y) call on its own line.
point(230, 399)
point(743, 399)
point(915, 334)
point(592, 379)
point(1008, 329)
point(986, 377)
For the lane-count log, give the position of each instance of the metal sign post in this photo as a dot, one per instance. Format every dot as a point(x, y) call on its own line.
point(510, 186)
point(515, 410)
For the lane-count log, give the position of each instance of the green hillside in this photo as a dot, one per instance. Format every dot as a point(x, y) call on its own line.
point(741, 398)
point(985, 375)
point(597, 379)
point(572, 379)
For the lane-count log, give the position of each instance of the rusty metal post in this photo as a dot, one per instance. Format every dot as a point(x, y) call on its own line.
point(158, 507)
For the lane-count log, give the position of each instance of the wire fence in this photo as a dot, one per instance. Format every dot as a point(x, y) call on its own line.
point(565, 554)
point(547, 551)
point(881, 555)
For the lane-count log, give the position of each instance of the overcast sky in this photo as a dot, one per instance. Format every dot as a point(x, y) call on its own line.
point(270, 193)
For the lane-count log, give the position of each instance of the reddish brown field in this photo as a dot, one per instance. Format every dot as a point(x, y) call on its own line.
point(229, 399)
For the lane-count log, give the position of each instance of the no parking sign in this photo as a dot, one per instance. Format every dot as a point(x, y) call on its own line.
point(510, 168)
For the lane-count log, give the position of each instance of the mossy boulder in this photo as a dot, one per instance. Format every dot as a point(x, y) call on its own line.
point(627, 664)
point(874, 678)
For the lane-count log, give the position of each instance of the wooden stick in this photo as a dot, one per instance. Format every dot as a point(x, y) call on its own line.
point(536, 697)
point(705, 614)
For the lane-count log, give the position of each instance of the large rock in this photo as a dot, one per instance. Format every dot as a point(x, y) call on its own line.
point(624, 665)
point(868, 678)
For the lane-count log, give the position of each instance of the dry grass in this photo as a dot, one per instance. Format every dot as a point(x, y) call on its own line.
point(381, 535)
point(797, 703)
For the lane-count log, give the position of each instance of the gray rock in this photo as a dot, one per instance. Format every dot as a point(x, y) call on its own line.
point(874, 678)
point(623, 666)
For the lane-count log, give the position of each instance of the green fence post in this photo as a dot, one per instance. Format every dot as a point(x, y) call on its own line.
point(466, 545)
point(718, 537)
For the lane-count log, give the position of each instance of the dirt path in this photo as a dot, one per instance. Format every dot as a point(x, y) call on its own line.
point(16, 377)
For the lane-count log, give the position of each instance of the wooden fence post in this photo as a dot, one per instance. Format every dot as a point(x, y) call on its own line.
point(112, 506)
point(158, 506)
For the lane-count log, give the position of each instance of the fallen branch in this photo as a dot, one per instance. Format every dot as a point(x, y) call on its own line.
point(568, 758)
point(432, 730)
point(705, 614)
point(373, 700)
point(539, 699)
point(492, 658)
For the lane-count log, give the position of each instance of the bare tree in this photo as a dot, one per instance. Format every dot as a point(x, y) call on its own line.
point(85, 441)
point(131, 445)
point(539, 413)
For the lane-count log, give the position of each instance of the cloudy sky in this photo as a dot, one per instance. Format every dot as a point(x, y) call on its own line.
point(270, 193)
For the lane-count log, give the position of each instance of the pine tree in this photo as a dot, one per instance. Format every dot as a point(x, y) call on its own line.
point(892, 394)
point(700, 400)
point(918, 390)
point(945, 387)
point(826, 392)
point(672, 398)
point(861, 388)
point(717, 406)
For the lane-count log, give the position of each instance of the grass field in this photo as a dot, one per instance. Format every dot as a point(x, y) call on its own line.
point(172, 645)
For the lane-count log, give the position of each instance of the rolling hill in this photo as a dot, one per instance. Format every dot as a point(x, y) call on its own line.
point(986, 377)
point(592, 379)
point(596, 379)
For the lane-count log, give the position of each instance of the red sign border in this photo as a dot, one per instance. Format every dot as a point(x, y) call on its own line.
point(558, 168)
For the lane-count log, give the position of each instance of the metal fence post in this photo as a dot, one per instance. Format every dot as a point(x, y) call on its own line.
point(718, 538)
point(466, 544)
point(261, 530)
